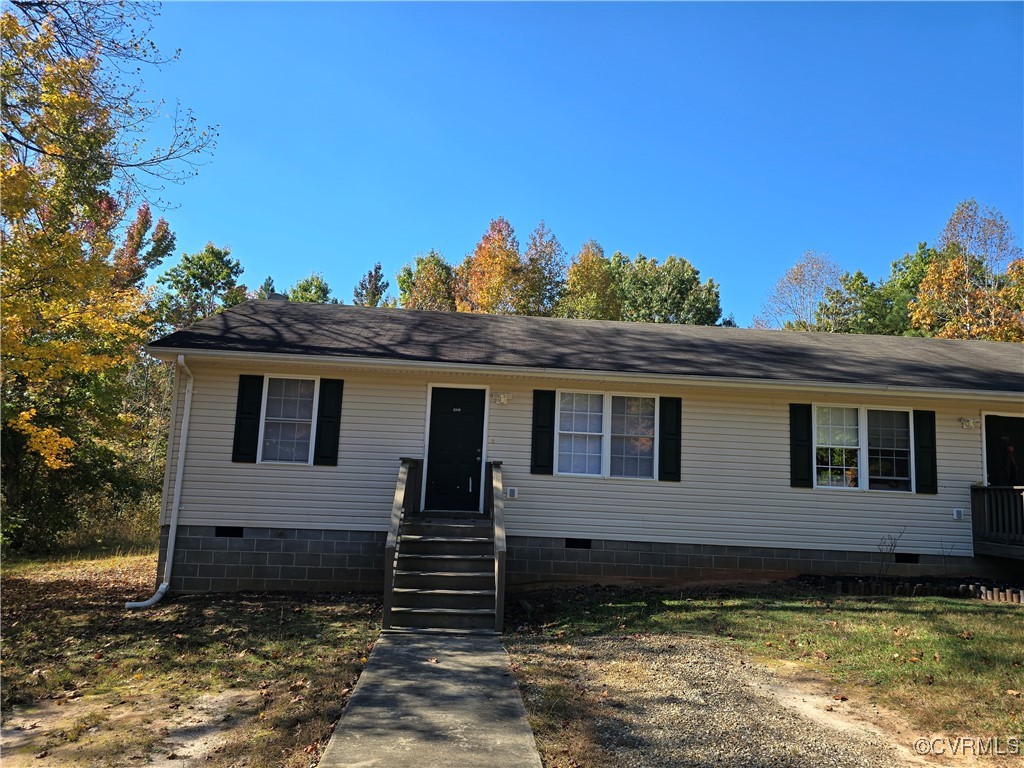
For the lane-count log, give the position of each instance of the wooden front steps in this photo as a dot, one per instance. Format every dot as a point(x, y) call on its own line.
point(444, 574)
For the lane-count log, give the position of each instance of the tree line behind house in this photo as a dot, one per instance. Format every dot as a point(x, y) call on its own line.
point(969, 285)
point(497, 277)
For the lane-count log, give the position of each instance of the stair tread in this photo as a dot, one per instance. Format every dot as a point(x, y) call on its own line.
point(450, 514)
point(419, 591)
point(425, 556)
point(453, 611)
point(434, 537)
point(437, 631)
point(478, 574)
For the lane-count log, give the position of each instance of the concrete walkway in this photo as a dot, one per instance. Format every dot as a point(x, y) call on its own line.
point(427, 701)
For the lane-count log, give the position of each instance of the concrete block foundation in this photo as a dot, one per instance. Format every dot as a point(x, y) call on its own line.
point(536, 561)
point(234, 559)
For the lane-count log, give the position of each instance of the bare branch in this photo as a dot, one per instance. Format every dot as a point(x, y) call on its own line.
point(116, 36)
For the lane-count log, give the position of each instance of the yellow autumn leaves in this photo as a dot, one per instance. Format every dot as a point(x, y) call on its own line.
point(959, 299)
point(64, 313)
point(45, 441)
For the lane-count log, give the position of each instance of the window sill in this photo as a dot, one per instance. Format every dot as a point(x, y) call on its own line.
point(841, 489)
point(606, 477)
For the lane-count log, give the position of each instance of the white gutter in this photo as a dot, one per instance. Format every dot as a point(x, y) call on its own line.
point(510, 371)
point(172, 531)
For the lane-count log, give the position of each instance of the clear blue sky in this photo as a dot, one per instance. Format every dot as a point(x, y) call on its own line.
point(735, 135)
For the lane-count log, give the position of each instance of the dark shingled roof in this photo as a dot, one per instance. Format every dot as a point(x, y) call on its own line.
point(405, 335)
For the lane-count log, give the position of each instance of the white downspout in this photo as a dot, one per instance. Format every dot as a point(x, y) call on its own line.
point(172, 532)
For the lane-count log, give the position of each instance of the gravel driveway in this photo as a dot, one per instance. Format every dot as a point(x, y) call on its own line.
point(671, 702)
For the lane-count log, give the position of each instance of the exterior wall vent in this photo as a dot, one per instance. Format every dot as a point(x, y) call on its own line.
point(578, 543)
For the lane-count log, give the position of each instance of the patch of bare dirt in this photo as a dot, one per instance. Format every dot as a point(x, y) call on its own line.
point(820, 701)
point(93, 731)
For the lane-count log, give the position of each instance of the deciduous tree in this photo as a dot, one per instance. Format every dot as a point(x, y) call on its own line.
point(202, 284)
point(973, 290)
point(960, 299)
point(107, 45)
point(670, 292)
point(313, 289)
point(68, 313)
point(983, 233)
point(795, 299)
point(370, 290)
point(144, 248)
point(859, 305)
point(541, 274)
point(590, 292)
point(266, 289)
point(687, 299)
point(427, 283)
point(72, 299)
point(487, 281)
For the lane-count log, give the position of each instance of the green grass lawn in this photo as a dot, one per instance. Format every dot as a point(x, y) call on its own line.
point(946, 665)
point(68, 638)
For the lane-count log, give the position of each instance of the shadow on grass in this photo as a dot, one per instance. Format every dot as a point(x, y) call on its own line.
point(746, 613)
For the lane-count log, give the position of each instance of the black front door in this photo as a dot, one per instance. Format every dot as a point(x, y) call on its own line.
point(1004, 450)
point(455, 453)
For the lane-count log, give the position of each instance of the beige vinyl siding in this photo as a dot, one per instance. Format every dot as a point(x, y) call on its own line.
point(735, 474)
point(171, 453)
point(382, 420)
point(735, 484)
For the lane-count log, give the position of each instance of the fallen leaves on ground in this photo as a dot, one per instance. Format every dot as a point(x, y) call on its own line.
point(299, 656)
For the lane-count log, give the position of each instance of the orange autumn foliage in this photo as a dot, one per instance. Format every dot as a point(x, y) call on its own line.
point(960, 299)
point(487, 279)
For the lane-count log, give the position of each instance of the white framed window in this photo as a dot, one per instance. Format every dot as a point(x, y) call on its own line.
point(632, 432)
point(606, 434)
point(288, 419)
point(863, 448)
point(889, 449)
point(836, 447)
point(580, 433)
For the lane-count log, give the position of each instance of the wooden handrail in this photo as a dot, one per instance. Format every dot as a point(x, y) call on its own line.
point(997, 514)
point(498, 522)
point(408, 470)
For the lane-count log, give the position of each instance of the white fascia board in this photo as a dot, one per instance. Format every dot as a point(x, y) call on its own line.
point(507, 371)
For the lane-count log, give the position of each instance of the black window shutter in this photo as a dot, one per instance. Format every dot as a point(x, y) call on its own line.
point(801, 446)
point(542, 454)
point(328, 423)
point(926, 472)
point(670, 441)
point(247, 418)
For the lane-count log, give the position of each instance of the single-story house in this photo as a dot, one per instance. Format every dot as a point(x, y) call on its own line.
point(626, 451)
